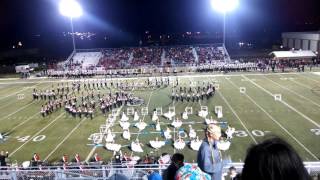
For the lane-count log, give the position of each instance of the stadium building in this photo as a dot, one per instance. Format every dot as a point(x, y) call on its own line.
point(302, 40)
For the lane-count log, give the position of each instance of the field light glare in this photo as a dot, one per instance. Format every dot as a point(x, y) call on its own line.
point(224, 6)
point(70, 8)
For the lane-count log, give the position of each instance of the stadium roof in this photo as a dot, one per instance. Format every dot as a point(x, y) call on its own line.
point(292, 54)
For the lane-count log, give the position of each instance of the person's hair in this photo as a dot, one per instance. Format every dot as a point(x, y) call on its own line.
point(273, 159)
point(177, 157)
point(232, 168)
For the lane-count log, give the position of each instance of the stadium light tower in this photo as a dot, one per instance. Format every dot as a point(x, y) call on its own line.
point(71, 9)
point(224, 6)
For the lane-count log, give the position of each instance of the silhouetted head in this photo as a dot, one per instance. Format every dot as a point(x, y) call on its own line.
point(177, 159)
point(273, 159)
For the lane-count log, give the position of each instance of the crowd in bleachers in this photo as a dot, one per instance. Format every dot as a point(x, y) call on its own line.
point(117, 58)
point(114, 58)
point(146, 56)
point(207, 54)
point(180, 55)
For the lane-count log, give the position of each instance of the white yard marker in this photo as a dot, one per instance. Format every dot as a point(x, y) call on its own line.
point(242, 90)
point(277, 97)
point(275, 121)
point(217, 86)
point(286, 104)
point(188, 110)
point(159, 111)
point(23, 89)
point(27, 105)
point(64, 139)
point(145, 111)
point(13, 152)
point(301, 96)
point(233, 111)
point(20, 96)
point(130, 111)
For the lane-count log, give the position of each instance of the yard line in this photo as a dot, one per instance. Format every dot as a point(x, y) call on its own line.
point(303, 85)
point(21, 123)
point(294, 81)
point(306, 77)
point(148, 108)
point(17, 110)
point(293, 92)
point(277, 122)
point(95, 147)
point(64, 139)
point(36, 134)
point(283, 102)
point(21, 107)
point(23, 89)
point(233, 111)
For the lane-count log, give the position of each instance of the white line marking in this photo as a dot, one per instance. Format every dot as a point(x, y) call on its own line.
point(36, 134)
point(292, 92)
point(23, 89)
point(307, 77)
point(95, 147)
point(148, 108)
point(49, 80)
point(275, 121)
point(17, 110)
point(303, 85)
point(244, 126)
point(286, 104)
point(64, 139)
point(21, 123)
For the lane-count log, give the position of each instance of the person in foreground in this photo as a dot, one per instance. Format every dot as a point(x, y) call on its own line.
point(176, 163)
point(209, 157)
point(273, 159)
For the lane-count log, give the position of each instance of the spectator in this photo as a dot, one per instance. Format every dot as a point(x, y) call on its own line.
point(232, 174)
point(3, 157)
point(154, 175)
point(35, 159)
point(176, 162)
point(273, 159)
point(209, 157)
point(191, 172)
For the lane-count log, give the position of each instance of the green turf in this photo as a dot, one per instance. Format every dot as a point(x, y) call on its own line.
point(255, 115)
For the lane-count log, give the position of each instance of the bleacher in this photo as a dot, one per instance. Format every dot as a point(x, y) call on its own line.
point(136, 57)
point(87, 59)
point(207, 54)
point(180, 55)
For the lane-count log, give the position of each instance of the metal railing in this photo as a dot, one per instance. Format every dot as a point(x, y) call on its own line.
point(102, 172)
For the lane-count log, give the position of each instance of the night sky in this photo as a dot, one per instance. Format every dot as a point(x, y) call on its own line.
point(24, 19)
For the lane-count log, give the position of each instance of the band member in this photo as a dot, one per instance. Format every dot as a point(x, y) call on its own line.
point(90, 112)
point(43, 111)
point(79, 112)
point(77, 158)
point(64, 159)
point(97, 158)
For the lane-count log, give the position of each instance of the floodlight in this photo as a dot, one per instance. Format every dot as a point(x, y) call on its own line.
point(70, 8)
point(224, 6)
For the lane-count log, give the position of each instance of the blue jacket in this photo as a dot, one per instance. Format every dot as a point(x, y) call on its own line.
point(205, 160)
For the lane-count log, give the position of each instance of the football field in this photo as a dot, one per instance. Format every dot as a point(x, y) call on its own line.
point(255, 113)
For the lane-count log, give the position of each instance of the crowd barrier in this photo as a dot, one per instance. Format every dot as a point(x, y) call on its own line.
point(104, 172)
